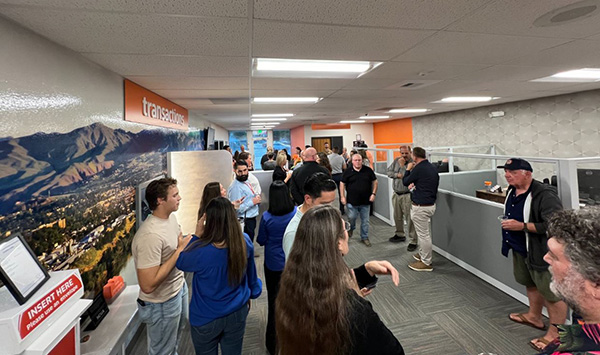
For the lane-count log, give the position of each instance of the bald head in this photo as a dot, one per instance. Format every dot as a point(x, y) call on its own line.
point(310, 154)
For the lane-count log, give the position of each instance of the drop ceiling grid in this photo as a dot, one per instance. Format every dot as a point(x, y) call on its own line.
point(407, 14)
point(191, 82)
point(516, 17)
point(576, 54)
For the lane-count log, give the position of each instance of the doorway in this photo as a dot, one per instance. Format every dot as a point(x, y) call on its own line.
point(319, 143)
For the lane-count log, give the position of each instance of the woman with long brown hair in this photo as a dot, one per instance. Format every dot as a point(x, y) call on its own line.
point(211, 191)
point(323, 160)
point(320, 305)
point(222, 260)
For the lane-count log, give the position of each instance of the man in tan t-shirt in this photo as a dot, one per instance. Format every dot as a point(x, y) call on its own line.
point(163, 298)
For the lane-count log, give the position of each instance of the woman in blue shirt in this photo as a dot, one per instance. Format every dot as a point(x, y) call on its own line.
point(222, 260)
point(270, 234)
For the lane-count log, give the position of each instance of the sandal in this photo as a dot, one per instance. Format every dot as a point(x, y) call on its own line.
point(542, 340)
point(525, 321)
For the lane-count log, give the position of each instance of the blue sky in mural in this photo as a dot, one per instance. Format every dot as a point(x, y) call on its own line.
point(236, 139)
point(282, 140)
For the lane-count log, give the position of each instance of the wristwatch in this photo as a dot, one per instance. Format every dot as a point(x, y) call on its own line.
point(525, 228)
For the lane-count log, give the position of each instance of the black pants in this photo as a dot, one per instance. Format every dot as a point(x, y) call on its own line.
point(250, 227)
point(338, 178)
point(272, 278)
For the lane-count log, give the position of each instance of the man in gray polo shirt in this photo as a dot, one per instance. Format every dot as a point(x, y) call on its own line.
point(401, 199)
point(338, 165)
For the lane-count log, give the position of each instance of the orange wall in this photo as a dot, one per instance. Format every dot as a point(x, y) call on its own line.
point(396, 131)
point(297, 138)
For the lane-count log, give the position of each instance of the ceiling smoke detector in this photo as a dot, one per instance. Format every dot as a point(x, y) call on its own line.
point(568, 14)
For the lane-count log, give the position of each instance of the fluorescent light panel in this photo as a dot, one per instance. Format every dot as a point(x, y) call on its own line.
point(352, 121)
point(269, 119)
point(409, 110)
point(272, 114)
point(584, 75)
point(467, 99)
point(278, 67)
point(286, 100)
point(373, 117)
point(264, 123)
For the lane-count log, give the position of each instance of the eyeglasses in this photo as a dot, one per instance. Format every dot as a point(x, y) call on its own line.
point(347, 225)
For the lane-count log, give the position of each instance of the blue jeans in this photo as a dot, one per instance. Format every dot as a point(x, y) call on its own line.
point(227, 331)
point(353, 212)
point(165, 322)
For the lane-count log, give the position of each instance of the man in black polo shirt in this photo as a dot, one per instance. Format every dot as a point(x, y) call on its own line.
point(527, 210)
point(357, 190)
point(422, 180)
point(301, 174)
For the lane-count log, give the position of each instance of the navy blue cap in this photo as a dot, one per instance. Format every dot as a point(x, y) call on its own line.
point(516, 164)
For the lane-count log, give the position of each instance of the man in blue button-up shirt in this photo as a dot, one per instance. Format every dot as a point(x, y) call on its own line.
point(241, 188)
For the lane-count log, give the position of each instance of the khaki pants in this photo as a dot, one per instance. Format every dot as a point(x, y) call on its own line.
point(421, 217)
point(402, 205)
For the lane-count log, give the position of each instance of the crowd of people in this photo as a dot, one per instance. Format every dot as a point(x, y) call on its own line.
point(316, 303)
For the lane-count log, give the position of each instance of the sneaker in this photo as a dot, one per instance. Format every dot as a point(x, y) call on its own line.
point(420, 266)
point(350, 233)
point(417, 257)
point(366, 242)
point(411, 247)
point(397, 239)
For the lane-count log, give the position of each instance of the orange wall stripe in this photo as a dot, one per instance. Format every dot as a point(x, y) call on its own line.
point(330, 126)
point(395, 131)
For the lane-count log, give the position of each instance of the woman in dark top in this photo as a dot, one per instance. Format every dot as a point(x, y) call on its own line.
point(320, 308)
point(280, 172)
point(323, 160)
point(270, 235)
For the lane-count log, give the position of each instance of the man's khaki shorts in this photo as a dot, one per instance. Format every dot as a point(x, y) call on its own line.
point(532, 278)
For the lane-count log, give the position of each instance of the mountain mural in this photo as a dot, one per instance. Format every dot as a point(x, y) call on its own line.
point(45, 164)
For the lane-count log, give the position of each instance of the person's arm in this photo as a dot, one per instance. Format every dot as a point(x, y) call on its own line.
point(254, 282)
point(344, 166)
point(263, 234)
point(235, 193)
point(391, 170)
point(288, 176)
point(374, 190)
point(549, 205)
point(343, 193)
point(410, 176)
point(150, 278)
point(379, 339)
point(295, 190)
point(288, 242)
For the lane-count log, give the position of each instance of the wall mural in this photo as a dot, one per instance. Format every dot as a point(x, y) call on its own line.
point(72, 195)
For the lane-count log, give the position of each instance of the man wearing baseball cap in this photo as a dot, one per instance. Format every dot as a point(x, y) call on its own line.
point(528, 208)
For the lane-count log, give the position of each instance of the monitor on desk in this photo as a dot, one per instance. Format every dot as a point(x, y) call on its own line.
point(589, 184)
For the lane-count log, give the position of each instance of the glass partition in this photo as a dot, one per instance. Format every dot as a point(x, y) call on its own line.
point(260, 147)
point(237, 139)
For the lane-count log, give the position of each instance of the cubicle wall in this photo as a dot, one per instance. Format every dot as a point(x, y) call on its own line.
point(466, 230)
point(467, 182)
point(382, 207)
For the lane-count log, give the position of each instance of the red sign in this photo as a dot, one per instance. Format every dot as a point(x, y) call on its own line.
point(45, 306)
point(144, 106)
point(66, 346)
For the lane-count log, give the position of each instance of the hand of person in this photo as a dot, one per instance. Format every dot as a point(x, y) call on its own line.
point(399, 175)
point(402, 161)
point(410, 166)
point(354, 285)
point(383, 267)
point(182, 241)
point(371, 198)
point(411, 186)
point(249, 305)
point(365, 292)
point(237, 203)
point(343, 200)
point(256, 199)
point(512, 225)
point(200, 225)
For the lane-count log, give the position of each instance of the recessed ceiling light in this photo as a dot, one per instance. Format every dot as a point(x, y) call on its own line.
point(276, 67)
point(468, 99)
point(373, 117)
point(575, 76)
point(409, 110)
point(286, 100)
point(352, 121)
point(264, 123)
point(269, 119)
point(272, 114)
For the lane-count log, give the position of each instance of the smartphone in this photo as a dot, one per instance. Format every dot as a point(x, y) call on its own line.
point(371, 286)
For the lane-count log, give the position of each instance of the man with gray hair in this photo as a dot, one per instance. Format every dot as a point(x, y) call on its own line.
point(527, 210)
point(401, 199)
point(574, 258)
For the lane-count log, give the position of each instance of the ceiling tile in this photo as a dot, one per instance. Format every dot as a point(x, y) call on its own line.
point(203, 94)
point(418, 14)
point(304, 41)
point(132, 65)
point(516, 17)
point(102, 32)
point(472, 48)
point(228, 8)
point(576, 54)
point(417, 70)
point(297, 84)
point(190, 82)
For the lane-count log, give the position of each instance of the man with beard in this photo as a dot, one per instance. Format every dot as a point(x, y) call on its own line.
point(241, 188)
point(574, 258)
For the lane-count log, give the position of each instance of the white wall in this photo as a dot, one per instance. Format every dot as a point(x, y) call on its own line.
point(45, 87)
point(349, 135)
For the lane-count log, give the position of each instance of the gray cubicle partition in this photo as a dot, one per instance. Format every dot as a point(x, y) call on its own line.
point(382, 207)
point(466, 230)
point(467, 182)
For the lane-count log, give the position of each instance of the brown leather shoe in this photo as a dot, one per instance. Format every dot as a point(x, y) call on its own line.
point(420, 266)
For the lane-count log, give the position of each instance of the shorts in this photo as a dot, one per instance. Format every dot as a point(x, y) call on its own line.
point(533, 278)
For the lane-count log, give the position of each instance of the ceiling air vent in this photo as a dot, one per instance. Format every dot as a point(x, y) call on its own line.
point(412, 84)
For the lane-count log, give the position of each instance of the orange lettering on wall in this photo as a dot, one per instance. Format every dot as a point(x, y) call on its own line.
point(144, 106)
